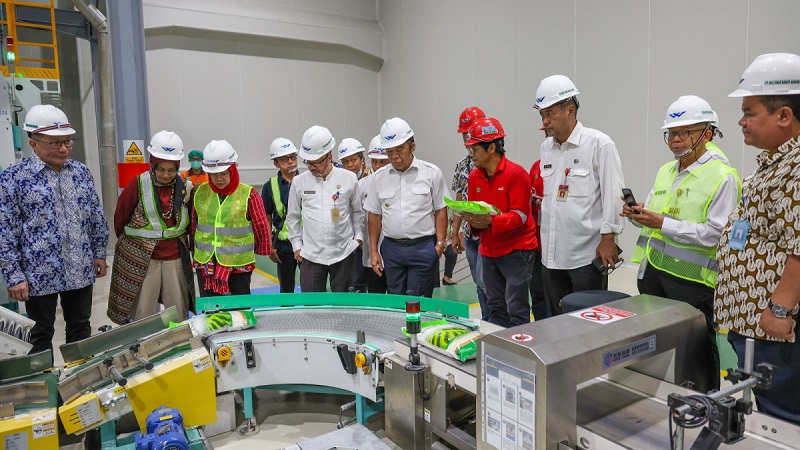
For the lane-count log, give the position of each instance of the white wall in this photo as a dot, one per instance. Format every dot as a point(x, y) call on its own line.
point(263, 71)
point(629, 58)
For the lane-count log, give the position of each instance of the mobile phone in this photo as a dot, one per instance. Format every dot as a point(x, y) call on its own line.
point(630, 200)
point(598, 262)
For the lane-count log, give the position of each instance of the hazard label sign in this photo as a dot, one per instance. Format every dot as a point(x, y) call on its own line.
point(602, 314)
point(133, 150)
point(520, 337)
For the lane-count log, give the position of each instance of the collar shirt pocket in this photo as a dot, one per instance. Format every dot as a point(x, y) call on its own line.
point(580, 182)
point(386, 194)
point(420, 189)
point(549, 181)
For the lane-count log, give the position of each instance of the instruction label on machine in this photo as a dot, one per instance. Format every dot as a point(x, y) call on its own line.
point(16, 441)
point(509, 396)
point(602, 314)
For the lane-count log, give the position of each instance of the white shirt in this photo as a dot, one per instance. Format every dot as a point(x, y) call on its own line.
point(722, 205)
point(407, 200)
point(320, 238)
point(363, 186)
point(588, 163)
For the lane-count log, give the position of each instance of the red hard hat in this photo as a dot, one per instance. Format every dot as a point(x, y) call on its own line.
point(467, 116)
point(485, 129)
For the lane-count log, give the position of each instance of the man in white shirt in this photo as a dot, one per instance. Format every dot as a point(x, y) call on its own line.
point(328, 202)
point(583, 180)
point(406, 203)
point(373, 283)
point(687, 209)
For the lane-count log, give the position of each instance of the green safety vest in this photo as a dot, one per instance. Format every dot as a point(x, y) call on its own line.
point(223, 229)
point(688, 202)
point(156, 229)
point(279, 208)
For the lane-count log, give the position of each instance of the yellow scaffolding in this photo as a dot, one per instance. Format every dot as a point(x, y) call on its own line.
point(30, 67)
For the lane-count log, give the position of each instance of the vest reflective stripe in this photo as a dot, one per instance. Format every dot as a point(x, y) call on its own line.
point(689, 202)
point(677, 252)
point(156, 229)
point(279, 208)
point(226, 250)
point(230, 238)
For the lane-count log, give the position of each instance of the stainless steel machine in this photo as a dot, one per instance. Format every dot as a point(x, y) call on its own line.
point(598, 378)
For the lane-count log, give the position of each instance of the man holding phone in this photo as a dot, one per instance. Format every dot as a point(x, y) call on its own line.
point(684, 216)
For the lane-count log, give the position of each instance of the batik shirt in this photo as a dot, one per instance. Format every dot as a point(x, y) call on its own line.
point(52, 226)
point(748, 278)
point(460, 177)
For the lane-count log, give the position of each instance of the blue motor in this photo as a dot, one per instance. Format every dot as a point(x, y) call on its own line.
point(164, 431)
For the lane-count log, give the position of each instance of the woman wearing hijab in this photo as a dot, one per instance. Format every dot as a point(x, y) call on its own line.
point(152, 263)
point(229, 226)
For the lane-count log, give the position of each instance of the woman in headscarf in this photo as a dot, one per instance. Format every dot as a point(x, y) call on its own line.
point(152, 263)
point(229, 226)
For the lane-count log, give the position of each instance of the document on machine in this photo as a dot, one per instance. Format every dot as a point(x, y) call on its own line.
point(509, 398)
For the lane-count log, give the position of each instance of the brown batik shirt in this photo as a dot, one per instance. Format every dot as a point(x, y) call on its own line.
point(748, 278)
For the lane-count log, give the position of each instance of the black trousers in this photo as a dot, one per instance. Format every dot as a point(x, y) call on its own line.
point(375, 284)
point(287, 271)
point(77, 308)
point(662, 284)
point(359, 274)
point(539, 307)
point(559, 283)
point(314, 277)
point(238, 283)
point(411, 269)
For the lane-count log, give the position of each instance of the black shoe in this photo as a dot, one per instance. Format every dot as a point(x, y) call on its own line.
point(449, 283)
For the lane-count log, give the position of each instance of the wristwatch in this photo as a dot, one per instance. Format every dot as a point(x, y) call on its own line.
point(441, 244)
point(780, 311)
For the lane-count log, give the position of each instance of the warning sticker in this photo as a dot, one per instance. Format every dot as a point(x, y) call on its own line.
point(602, 314)
point(43, 430)
point(133, 151)
point(201, 364)
point(520, 337)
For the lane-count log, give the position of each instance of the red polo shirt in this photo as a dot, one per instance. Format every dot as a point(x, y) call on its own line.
point(537, 183)
point(509, 190)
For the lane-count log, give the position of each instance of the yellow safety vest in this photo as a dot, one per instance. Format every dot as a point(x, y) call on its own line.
point(279, 208)
point(223, 229)
point(688, 202)
point(156, 229)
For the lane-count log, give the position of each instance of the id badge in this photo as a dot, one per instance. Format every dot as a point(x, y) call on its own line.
point(739, 232)
point(563, 192)
point(336, 214)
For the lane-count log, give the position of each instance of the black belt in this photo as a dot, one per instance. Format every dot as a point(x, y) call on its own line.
point(410, 241)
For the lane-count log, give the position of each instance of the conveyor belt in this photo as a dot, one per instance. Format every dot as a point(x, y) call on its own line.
point(381, 326)
point(636, 421)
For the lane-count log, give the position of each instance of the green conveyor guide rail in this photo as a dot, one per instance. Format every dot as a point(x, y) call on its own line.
point(256, 301)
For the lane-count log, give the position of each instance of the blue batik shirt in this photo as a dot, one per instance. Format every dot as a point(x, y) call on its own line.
point(52, 226)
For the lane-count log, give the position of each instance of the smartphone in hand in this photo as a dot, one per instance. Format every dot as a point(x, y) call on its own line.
point(630, 200)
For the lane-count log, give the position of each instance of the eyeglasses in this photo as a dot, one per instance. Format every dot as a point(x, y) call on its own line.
point(55, 145)
point(224, 174)
point(161, 171)
point(682, 135)
point(317, 164)
point(471, 149)
point(289, 158)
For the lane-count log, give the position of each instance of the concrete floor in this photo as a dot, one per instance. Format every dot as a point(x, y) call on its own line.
point(286, 418)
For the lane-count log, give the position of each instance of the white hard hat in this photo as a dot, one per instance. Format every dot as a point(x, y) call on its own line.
point(688, 110)
point(395, 132)
point(281, 147)
point(554, 89)
point(349, 147)
point(166, 145)
point(316, 142)
point(49, 120)
point(218, 156)
point(770, 74)
point(375, 149)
